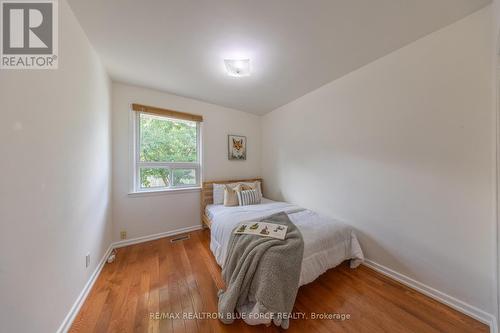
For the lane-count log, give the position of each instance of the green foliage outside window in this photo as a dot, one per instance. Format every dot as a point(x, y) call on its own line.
point(166, 140)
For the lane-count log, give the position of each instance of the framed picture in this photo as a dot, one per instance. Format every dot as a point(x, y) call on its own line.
point(237, 147)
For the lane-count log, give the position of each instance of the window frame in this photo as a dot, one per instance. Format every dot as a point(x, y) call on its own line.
point(137, 164)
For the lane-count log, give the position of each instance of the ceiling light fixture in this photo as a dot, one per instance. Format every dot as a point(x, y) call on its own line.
point(237, 67)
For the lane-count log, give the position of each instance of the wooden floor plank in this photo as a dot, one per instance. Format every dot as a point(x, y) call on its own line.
point(165, 278)
point(166, 272)
point(154, 292)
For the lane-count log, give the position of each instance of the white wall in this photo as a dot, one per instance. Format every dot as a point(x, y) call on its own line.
point(496, 105)
point(403, 149)
point(142, 215)
point(55, 183)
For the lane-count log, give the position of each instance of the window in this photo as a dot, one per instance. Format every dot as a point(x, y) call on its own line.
point(167, 152)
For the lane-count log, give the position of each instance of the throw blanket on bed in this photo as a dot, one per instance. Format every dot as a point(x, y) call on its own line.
point(262, 275)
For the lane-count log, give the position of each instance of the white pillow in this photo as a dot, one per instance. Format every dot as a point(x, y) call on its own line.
point(218, 191)
point(259, 188)
point(218, 194)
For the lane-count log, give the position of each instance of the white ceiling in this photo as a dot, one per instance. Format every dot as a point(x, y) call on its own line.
point(294, 46)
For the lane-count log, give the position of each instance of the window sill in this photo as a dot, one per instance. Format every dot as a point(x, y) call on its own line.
point(164, 191)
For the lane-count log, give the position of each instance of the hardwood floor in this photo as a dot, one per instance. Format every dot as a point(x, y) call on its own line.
point(159, 278)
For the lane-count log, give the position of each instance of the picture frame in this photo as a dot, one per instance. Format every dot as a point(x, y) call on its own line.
point(236, 147)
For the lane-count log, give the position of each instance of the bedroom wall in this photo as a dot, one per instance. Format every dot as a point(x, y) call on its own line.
point(55, 184)
point(148, 214)
point(496, 103)
point(403, 150)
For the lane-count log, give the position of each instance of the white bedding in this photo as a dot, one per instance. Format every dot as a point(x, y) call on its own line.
point(327, 242)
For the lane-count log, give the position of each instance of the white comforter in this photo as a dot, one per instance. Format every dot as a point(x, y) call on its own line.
point(326, 242)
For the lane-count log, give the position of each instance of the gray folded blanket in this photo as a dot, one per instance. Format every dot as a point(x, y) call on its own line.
point(262, 275)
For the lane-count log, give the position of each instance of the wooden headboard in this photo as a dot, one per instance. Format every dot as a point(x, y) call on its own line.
point(207, 194)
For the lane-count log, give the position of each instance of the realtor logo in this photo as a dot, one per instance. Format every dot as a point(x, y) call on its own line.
point(29, 34)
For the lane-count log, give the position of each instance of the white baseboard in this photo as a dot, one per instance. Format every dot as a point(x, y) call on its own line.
point(70, 317)
point(143, 239)
point(439, 296)
point(66, 324)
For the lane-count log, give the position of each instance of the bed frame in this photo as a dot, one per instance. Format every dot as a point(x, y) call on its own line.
point(207, 194)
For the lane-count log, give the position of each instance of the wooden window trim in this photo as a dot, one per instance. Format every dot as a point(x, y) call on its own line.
point(166, 112)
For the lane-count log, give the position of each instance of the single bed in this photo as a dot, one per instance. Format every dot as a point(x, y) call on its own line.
point(327, 242)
